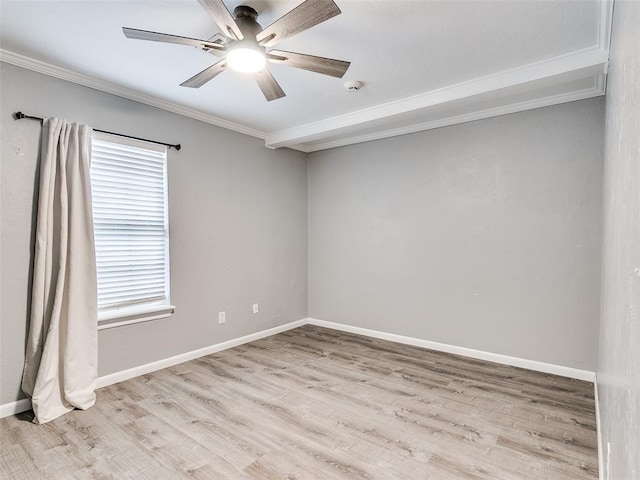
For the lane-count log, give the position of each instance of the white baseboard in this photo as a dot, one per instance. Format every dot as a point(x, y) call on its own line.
point(192, 355)
point(13, 408)
point(465, 352)
point(601, 468)
point(25, 404)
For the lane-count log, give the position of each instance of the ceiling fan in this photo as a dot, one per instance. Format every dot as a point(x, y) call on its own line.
point(243, 45)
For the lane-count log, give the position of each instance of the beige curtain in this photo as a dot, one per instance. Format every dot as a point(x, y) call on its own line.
point(61, 359)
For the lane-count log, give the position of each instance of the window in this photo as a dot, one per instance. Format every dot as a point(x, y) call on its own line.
point(130, 218)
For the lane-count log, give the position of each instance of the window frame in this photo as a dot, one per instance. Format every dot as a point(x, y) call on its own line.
point(147, 311)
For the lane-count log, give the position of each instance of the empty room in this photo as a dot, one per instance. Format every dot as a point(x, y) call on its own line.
point(320, 239)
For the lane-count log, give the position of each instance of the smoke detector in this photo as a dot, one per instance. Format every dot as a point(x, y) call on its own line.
point(353, 85)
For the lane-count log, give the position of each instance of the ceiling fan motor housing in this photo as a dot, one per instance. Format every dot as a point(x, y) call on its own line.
point(245, 17)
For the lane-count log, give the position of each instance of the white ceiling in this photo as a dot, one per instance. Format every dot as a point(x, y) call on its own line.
point(424, 64)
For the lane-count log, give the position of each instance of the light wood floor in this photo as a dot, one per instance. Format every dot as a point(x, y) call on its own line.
point(314, 403)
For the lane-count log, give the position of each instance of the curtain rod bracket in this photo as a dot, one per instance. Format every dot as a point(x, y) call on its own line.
point(20, 116)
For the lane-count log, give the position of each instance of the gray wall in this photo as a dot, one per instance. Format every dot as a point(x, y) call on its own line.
point(484, 235)
point(238, 225)
point(619, 355)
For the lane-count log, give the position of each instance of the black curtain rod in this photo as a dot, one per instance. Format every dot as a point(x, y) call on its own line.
point(20, 115)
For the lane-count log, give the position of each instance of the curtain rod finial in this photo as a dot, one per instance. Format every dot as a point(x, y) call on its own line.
point(18, 115)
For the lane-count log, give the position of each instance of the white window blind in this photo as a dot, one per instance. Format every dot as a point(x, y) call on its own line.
point(129, 189)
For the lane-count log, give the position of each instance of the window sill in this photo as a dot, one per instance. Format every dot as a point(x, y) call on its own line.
point(129, 318)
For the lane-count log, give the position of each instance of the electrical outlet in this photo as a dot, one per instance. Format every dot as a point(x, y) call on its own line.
point(222, 317)
point(255, 308)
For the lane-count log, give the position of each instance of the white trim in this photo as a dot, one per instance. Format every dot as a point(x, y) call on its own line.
point(14, 408)
point(121, 376)
point(601, 472)
point(597, 91)
point(114, 89)
point(192, 355)
point(131, 317)
point(605, 24)
point(25, 404)
point(575, 65)
point(579, 64)
point(586, 375)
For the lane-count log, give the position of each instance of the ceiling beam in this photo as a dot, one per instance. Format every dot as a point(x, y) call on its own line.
point(574, 66)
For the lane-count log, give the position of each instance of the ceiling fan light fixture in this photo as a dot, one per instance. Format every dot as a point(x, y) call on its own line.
point(247, 59)
point(242, 43)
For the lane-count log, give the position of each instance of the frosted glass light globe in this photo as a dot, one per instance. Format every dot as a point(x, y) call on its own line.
point(246, 60)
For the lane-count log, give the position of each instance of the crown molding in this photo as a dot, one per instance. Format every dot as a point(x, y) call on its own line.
point(596, 91)
point(114, 89)
point(310, 137)
point(572, 66)
point(605, 24)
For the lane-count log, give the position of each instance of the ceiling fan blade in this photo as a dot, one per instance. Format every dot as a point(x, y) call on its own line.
point(271, 89)
point(222, 17)
point(326, 66)
point(305, 15)
point(204, 76)
point(136, 34)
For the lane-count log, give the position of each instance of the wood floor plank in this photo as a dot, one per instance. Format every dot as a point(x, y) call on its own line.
point(313, 403)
